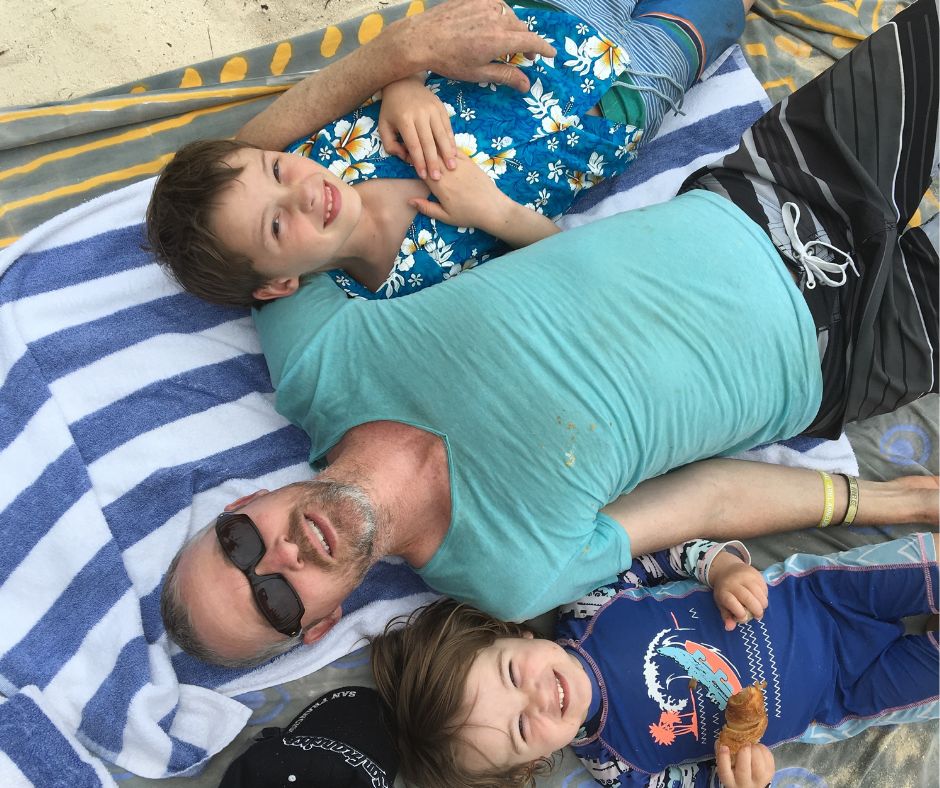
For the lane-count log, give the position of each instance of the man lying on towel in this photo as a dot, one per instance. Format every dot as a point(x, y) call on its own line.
point(507, 432)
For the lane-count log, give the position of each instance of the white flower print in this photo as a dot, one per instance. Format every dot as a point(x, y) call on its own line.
point(542, 199)
point(541, 102)
point(555, 170)
point(580, 61)
point(440, 252)
point(450, 109)
point(530, 23)
point(576, 181)
point(415, 280)
point(596, 164)
point(466, 143)
point(393, 283)
point(468, 114)
point(558, 121)
point(571, 139)
point(351, 171)
point(607, 56)
point(494, 165)
point(354, 141)
point(498, 143)
point(552, 144)
point(343, 281)
point(532, 177)
point(409, 247)
point(587, 85)
point(458, 268)
point(581, 28)
point(326, 152)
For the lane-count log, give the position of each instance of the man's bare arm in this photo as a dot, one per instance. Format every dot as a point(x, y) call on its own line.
point(735, 499)
point(459, 39)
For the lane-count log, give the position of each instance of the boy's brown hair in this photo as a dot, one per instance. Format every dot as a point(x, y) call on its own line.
point(186, 193)
point(421, 672)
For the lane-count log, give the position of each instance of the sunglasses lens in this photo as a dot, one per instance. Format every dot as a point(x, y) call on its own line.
point(240, 540)
point(279, 604)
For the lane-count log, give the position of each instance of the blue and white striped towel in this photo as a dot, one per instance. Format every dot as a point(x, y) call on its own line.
point(130, 413)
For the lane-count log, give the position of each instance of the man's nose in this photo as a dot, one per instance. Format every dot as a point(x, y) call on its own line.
point(281, 554)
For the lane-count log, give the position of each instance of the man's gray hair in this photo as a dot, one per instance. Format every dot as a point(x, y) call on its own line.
point(179, 626)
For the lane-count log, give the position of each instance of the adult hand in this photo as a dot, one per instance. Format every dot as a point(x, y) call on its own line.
point(753, 767)
point(414, 113)
point(740, 590)
point(460, 39)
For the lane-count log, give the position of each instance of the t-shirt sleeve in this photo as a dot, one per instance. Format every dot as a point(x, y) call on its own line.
point(604, 554)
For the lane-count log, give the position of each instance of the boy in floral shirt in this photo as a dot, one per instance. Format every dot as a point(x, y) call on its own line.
point(241, 225)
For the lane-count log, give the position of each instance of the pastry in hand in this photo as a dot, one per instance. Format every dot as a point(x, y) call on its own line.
point(745, 719)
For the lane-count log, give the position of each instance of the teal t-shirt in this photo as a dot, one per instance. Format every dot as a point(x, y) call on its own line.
point(560, 376)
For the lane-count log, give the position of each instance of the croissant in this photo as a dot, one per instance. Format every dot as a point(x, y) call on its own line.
point(745, 719)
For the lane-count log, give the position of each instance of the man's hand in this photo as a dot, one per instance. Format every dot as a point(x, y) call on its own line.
point(740, 590)
point(460, 39)
point(414, 113)
point(753, 767)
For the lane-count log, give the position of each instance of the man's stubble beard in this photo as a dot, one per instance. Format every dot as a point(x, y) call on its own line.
point(354, 519)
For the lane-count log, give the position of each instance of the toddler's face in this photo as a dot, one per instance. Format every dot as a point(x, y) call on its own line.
point(526, 698)
point(287, 214)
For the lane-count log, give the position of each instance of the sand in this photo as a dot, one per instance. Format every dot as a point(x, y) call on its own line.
point(52, 50)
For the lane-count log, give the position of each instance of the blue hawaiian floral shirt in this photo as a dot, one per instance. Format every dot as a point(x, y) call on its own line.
point(541, 147)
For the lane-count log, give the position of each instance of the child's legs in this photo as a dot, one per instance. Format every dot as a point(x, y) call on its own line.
point(900, 687)
point(883, 676)
point(853, 150)
point(884, 582)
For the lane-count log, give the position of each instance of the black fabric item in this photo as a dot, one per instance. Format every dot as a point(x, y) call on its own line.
point(341, 740)
point(854, 150)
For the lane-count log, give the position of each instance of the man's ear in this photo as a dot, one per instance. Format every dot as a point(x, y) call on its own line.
point(322, 626)
point(277, 288)
point(240, 502)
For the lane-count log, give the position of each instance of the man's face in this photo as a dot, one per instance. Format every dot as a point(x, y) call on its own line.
point(318, 535)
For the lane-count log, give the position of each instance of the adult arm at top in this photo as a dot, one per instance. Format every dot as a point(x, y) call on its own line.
point(458, 39)
point(738, 499)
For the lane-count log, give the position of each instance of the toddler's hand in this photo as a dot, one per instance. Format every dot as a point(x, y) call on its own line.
point(414, 113)
point(753, 767)
point(740, 590)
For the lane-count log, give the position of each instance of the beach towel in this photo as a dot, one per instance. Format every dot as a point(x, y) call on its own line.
point(131, 413)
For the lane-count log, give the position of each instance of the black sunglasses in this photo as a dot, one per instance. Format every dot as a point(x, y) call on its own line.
point(277, 600)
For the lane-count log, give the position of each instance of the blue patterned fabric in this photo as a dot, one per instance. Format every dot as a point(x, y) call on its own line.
point(540, 147)
point(829, 647)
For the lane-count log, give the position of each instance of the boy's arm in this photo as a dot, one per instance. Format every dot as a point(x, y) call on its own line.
point(468, 197)
point(459, 39)
point(738, 499)
point(419, 117)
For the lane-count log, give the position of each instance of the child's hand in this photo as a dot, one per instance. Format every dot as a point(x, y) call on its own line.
point(467, 197)
point(413, 112)
point(740, 590)
point(753, 767)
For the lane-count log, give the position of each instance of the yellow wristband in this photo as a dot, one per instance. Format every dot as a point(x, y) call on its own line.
point(829, 499)
point(852, 508)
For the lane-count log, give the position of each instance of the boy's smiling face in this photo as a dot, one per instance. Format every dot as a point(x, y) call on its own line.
point(525, 698)
point(288, 215)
